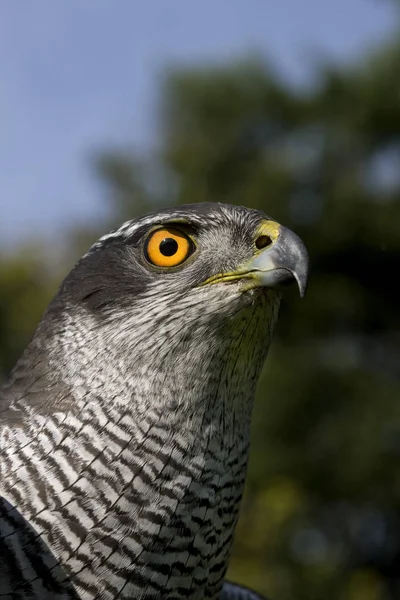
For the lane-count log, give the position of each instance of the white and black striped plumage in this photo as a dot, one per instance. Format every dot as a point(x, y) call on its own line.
point(125, 424)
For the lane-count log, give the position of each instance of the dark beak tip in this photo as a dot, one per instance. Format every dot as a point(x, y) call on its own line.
point(302, 284)
point(284, 278)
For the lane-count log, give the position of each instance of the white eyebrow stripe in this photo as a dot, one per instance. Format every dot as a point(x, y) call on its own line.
point(219, 214)
point(124, 232)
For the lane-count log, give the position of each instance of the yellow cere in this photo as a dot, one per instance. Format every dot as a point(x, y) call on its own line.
point(270, 229)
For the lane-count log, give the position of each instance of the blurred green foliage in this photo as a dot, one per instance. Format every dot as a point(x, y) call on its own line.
point(26, 287)
point(321, 514)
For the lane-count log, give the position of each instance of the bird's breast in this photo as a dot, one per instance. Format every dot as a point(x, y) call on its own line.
point(131, 510)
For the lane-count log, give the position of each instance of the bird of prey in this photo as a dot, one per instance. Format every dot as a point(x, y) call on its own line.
point(125, 424)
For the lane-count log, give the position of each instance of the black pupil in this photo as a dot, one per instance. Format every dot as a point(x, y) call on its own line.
point(169, 247)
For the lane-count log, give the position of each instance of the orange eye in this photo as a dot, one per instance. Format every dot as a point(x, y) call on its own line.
point(167, 247)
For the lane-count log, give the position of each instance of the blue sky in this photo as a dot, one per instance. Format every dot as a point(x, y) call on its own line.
point(81, 75)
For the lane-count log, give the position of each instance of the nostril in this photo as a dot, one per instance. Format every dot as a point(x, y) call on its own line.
point(263, 241)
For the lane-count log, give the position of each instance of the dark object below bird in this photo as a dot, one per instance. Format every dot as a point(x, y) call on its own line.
point(232, 591)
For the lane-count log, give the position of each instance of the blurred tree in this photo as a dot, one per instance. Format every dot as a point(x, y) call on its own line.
point(321, 515)
point(26, 286)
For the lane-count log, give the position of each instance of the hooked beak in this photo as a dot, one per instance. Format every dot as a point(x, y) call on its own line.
point(285, 260)
point(282, 260)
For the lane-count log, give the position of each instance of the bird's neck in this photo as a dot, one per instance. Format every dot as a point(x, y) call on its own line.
point(148, 458)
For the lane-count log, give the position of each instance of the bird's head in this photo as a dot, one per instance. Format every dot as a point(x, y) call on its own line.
point(173, 298)
point(202, 252)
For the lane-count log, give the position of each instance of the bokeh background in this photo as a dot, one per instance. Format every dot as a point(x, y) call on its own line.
point(109, 109)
